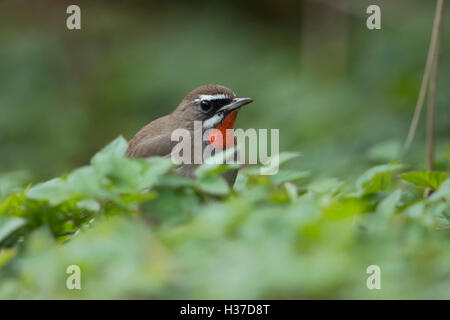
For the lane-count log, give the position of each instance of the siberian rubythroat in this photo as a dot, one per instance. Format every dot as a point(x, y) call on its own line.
point(215, 106)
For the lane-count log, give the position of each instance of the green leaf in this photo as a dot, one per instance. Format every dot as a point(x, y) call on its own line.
point(127, 175)
point(116, 148)
point(89, 204)
point(121, 174)
point(426, 179)
point(54, 191)
point(138, 198)
point(343, 208)
point(241, 182)
point(172, 205)
point(388, 205)
point(213, 184)
point(214, 169)
point(377, 178)
point(9, 225)
point(175, 181)
point(442, 193)
point(291, 190)
point(87, 181)
point(209, 177)
point(330, 185)
point(13, 204)
point(285, 157)
point(159, 164)
point(217, 164)
point(288, 176)
point(276, 161)
point(6, 255)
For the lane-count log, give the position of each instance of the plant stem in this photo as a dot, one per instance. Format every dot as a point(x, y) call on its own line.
point(431, 111)
point(432, 94)
point(434, 44)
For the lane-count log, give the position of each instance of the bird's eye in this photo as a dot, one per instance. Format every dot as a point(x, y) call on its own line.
point(205, 105)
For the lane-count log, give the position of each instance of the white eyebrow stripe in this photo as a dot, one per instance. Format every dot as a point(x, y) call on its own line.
point(213, 96)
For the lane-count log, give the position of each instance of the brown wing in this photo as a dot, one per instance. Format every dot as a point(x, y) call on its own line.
point(152, 140)
point(150, 146)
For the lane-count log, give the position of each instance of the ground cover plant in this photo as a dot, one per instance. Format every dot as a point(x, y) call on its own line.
point(137, 230)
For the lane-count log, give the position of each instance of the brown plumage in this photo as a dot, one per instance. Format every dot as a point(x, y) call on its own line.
point(154, 139)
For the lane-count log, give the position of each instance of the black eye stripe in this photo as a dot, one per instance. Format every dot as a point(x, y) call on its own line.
point(211, 106)
point(219, 103)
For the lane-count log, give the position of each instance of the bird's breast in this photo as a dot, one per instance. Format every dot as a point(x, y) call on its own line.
point(222, 137)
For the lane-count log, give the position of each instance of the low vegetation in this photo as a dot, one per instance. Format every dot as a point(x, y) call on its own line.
point(137, 230)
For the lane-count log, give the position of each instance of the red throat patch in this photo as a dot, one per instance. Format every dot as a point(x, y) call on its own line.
point(223, 137)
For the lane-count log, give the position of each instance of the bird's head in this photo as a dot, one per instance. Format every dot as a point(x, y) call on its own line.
point(215, 106)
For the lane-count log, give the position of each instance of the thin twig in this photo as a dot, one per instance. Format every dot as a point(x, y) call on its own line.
point(432, 98)
point(426, 76)
point(432, 104)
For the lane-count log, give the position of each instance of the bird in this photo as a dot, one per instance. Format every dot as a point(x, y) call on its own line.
point(215, 106)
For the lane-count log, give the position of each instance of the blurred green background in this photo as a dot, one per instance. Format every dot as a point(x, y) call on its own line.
point(333, 88)
point(340, 94)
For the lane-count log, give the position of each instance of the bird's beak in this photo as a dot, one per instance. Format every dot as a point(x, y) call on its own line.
point(236, 104)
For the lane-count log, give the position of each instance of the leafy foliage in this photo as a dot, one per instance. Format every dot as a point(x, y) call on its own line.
point(137, 230)
point(425, 178)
